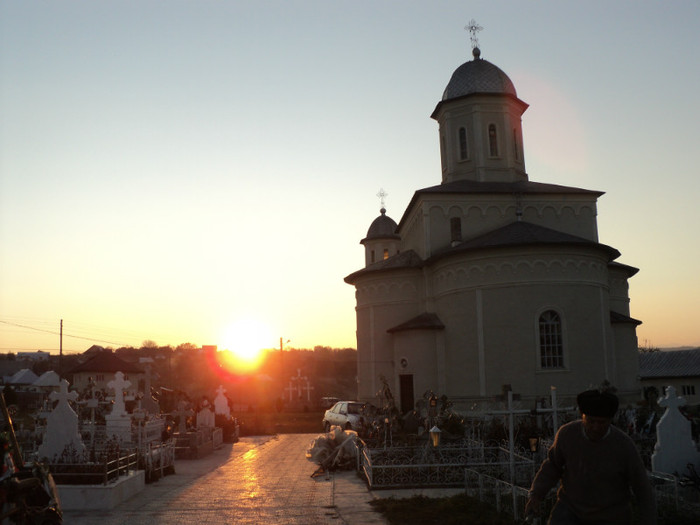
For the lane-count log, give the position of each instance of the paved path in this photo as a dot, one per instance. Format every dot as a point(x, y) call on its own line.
point(257, 480)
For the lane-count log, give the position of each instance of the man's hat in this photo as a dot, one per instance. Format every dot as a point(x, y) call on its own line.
point(597, 404)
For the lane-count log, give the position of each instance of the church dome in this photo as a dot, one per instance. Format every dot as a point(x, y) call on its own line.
point(478, 76)
point(383, 227)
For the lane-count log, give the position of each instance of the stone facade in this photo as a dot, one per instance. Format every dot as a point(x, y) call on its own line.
point(490, 281)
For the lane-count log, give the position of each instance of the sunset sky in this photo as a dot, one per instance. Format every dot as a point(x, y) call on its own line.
point(191, 171)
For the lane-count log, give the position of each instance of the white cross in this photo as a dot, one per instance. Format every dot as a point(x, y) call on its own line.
point(63, 396)
point(308, 389)
point(672, 400)
point(119, 384)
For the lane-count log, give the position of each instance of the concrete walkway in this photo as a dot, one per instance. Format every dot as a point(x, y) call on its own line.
point(257, 480)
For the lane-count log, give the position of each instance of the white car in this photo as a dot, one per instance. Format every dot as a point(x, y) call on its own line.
point(345, 414)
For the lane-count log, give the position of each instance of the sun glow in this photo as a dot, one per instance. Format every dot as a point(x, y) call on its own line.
point(245, 341)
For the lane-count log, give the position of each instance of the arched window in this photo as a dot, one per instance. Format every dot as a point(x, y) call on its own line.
point(386, 253)
point(551, 346)
point(515, 143)
point(493, 141)
point(463, 151)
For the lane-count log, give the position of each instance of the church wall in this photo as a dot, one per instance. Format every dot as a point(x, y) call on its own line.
point(479, 216)
point(384, 300)
point(490, 304)
point(627, 357)
point(619, 291)
point(413, 233)
point(416, 353)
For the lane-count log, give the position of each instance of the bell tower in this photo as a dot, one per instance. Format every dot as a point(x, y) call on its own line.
point(480, 123)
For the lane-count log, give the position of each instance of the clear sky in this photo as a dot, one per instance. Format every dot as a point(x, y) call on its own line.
point(170, 169)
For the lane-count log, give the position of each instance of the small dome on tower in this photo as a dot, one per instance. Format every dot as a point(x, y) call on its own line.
point(478, 76)
point(383, 227)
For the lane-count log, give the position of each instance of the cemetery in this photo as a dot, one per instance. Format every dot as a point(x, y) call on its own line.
point(102, 445)
point(493, 456)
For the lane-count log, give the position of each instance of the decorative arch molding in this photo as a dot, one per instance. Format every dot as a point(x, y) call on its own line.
point(509, 207)
point(498, 272)
point(397, 289)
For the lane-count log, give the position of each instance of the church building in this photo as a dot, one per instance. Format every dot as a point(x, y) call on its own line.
point(490, 281)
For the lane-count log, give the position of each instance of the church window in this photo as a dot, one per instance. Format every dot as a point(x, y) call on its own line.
point(515, 144)
point(456, 229)
point(463, 152)
point(493, 141)
point(688, 390)
point(551, 346)
point(386, 253)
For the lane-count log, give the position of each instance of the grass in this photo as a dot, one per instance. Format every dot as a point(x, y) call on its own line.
point(455, 510)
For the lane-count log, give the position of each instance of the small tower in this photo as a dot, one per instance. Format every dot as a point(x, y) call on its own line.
point(480, 124)
point(381, 241)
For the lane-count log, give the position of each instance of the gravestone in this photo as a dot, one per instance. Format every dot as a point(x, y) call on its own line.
point(118, 422)
point(674, 448)
point(205, 417)
point(62, 431)
point(221, 403)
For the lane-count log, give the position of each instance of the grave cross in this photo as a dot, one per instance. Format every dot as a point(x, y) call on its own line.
point(289, 389)
point(63, 396)
point(119, 384)
point(308, 389)
point(183, 412)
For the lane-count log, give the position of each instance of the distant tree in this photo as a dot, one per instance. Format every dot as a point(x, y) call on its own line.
point(186, 347)
point(149, 344)
point(647, 348)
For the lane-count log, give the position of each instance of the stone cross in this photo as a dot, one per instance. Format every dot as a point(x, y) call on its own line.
point(119, 384)
point(63, 396)
point(184, 413)
point(308, 389)
point(675, 448)
point(62, 431)
point(289, 389)
point(221, 403)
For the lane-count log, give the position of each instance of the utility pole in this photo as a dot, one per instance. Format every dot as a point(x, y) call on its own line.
point(60, 352)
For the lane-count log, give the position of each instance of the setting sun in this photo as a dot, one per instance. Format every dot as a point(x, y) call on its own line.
point(245, 339)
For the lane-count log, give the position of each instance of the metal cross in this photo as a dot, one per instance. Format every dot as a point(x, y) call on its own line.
point(382, 194)
point(473, 29)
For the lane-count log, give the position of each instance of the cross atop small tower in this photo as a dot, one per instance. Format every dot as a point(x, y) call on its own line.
point(382, 196)
point(473, 29)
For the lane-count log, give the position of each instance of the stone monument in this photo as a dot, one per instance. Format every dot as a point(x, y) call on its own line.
point(118, 422)
point(221, 403)
point(62, 433)
point(675, 448)
point(205, 417)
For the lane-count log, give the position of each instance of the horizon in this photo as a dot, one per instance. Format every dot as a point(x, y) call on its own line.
point(204, 172)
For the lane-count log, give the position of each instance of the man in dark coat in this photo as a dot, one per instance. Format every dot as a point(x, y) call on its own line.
point(597, 465)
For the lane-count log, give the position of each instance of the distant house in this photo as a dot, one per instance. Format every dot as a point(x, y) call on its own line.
point(23, 378)
point(34, 356)
point(9, 369)
point(101, 367)
point(677, 368)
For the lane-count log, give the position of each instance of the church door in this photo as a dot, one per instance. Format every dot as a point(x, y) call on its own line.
point(406, 387)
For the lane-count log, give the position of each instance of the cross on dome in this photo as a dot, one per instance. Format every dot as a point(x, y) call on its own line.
point(473, 29)
point(382, 196)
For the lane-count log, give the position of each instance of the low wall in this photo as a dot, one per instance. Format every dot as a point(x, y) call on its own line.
point(101, 497)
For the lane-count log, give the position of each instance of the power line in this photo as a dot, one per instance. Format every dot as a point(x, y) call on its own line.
point(53, 332)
